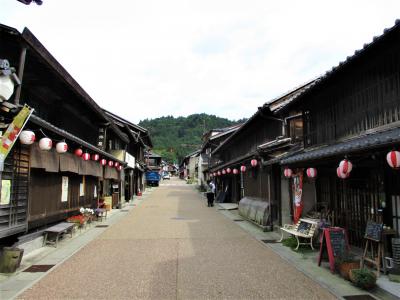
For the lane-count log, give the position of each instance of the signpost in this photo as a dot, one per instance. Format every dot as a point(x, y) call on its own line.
point(335, 243)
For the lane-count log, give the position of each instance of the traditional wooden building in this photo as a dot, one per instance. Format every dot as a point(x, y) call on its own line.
point(353, 112)
point(246, 165)
point(211, 140)
point(133, 155)
point(47, 186)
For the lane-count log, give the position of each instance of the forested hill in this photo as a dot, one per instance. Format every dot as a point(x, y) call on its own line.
point(174, 138)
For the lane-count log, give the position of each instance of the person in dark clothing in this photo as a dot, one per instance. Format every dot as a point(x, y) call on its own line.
point(210, 193)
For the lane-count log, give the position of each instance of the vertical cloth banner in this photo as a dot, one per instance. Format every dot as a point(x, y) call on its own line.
point(12, 133)
point(297, 192)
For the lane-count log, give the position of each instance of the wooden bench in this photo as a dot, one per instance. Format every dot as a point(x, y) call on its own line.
point(303, 229)
point(57, 230)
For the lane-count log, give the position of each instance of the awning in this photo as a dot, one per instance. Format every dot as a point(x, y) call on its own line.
point(111, 173)
point(361, 143)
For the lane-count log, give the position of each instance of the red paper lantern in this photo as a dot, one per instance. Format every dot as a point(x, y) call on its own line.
point(78, 152)
point(103, 162)
point(242, 169)
point(311, 172)
point(235, 171)
point(219, 173)
point(95, 157)
point(27, 137)
point(340, 174)
point(393, 159)
point(45, 144)
point(86, 156)
point(61, 147)
point(228, 171)
point(119, 168)
point(288, 172)
point(254, 162)
point(345, 166)
point(223, 172)
point(110, 163)
point(116, 164)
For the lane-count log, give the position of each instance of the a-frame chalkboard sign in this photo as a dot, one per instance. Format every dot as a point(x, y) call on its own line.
point(373, 237)
point(335, 243)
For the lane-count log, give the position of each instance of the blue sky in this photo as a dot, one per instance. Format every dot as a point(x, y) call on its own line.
point(183, 57)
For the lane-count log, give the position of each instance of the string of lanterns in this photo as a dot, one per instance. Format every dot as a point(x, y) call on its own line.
point(342, 171)
point(28, 137)
point(234, 171)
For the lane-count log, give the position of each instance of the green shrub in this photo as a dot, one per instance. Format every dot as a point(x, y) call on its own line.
point(363, 278)
point(290, 242)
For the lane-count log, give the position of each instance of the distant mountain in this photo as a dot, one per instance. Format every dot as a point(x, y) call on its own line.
point(174, 138)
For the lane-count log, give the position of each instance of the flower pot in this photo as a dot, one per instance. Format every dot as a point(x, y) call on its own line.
point(346, 267)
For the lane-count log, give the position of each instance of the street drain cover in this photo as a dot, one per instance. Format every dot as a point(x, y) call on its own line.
point(238, 220)
point(359, 297)
point(101, 226)
point(124, 210)
point(269, 241)
point(38, 268)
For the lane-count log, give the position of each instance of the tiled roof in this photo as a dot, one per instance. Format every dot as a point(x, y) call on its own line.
point(368, 141)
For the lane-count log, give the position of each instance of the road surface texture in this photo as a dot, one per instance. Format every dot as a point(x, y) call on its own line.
point(172, 246)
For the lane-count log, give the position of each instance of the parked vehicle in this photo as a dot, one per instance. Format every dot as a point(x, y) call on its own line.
point(153, 178)
point(166, 176)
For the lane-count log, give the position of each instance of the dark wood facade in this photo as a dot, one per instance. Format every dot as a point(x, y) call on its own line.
point(62, 111)
point(353, 111)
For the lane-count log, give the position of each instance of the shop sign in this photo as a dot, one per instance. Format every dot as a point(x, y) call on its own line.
point(64, 189)
point(130, 160)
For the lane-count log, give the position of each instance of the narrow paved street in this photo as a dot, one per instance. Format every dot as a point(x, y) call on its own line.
point(172, 246)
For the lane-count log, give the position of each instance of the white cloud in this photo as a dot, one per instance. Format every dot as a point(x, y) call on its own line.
point(143, 59)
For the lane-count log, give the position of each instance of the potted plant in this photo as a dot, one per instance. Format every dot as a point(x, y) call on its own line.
point(363, 278)
point(345, 263)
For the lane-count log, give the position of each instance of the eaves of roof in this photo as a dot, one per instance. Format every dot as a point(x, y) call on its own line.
point(40, 122)
point(358, 144)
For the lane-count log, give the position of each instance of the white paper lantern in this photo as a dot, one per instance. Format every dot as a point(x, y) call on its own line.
point(27, 137)
point(45, 144)
point(254, 163)
point(393, 159)
point(345, 166)
point(235, 171)
point(340, 174)
point(223, 172)
point(288, 172)
point(228, 171)
point(311, 172)
point(61, 147)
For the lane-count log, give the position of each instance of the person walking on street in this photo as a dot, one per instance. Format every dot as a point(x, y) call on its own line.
point(210, 193)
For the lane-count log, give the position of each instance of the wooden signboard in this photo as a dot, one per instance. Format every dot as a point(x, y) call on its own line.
point(373, 231)
point(335, 243)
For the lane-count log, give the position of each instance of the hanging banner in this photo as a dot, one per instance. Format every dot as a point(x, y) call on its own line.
point(297, 192)
point(64, 189)
point(5, 192)
point(12, 133)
